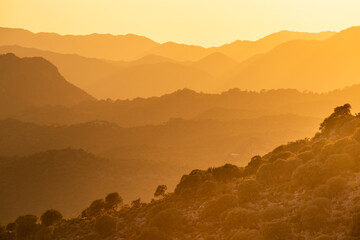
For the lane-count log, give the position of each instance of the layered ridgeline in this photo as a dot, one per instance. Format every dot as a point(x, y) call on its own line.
point(313, 62)
point(159, 69)
point(131, 47)
point(306, 189)
point(32, 82)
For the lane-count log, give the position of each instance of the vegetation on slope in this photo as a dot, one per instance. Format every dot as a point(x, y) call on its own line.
point(307, 189)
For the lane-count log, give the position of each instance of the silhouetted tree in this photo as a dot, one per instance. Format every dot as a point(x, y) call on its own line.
point(339, 113)
point(136, 203)
point(50, 217)
point(26, 227)
point(95, 209)
point(113, 200)
point(160, 190)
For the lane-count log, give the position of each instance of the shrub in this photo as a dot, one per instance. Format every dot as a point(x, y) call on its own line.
point(245, 234)
point(208, 188)
point(11, 227)
point(336, 185)
point(253, 166)
point(355, 225)
point(105, 225)
point(191, 182)
point(249, 190)
point(152, 234)
point(337, 163)
point(278, 171)
point(50, 217)
point(168, 220)
point(306, 156)
point(241, 217)
point(226, 172)
point(313, 218)
point(113, 200)
point(276, 231)
point(356, 135)
point(273, 212)
point(95, 209)
point(45, 233)
point(216, 207)
point(309, 174)
point(160, 190)
point(26, 227)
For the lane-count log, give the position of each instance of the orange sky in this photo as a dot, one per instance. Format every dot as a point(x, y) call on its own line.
point(201, 22)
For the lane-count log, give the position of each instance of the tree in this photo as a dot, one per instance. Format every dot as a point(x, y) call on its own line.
point(95, 209)
point(136, 203)
point(113, 200)
point(50, 217)
point(339, 113)
point(160, 190)
point(168, 220)
point(26, 227)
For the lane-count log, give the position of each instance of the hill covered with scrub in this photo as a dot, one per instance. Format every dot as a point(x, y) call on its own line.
point(307, 189)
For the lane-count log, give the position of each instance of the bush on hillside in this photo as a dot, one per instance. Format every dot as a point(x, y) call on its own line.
point(169, 219)
point(216, 207)
point(309, 174)
point(152, 234)
point(113, 201)
point(51, 217)
point(248, 190)
point(241, 218)
point(26, 227)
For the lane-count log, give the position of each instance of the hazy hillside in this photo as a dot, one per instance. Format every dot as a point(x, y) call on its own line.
point(188, 104)
point(238, 50)
point(216, 64)
point(80, 71)
point(147, 80)
point(312, 65)
point(191, 142)
point(70, 179)
point(37, 82)
point(306, 189)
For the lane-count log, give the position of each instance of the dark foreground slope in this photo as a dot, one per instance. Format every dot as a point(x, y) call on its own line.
point(307, 189)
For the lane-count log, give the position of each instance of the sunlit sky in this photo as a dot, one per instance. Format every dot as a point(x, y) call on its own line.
point(201, 22)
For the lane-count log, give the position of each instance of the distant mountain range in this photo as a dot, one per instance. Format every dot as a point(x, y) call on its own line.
point(131, 47)
point(306, 65)
point(280, 60)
